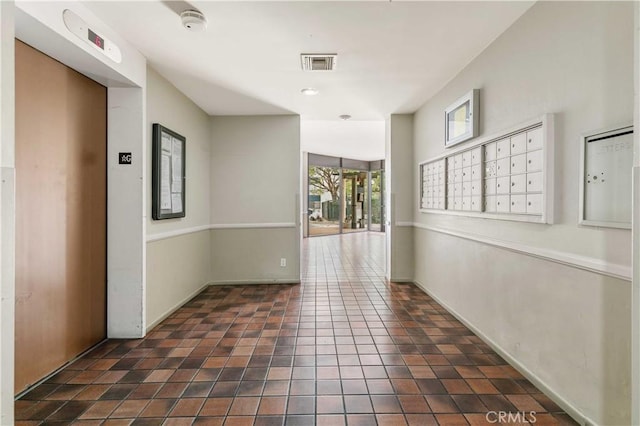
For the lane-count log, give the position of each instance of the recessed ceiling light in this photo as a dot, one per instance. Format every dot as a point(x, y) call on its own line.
point(344, 117)
point(309, 91)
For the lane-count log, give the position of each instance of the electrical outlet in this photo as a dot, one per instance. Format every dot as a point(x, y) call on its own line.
point(283, 262)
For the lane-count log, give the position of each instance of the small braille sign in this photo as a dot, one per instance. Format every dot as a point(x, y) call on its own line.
point(124, 158)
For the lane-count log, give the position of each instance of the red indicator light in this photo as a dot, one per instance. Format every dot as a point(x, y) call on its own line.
point(96, 39)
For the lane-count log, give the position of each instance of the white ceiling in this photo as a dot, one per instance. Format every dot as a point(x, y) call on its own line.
point(392, 56)
point(359, 140)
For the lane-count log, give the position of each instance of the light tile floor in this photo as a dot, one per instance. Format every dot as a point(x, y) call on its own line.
point(343, 347)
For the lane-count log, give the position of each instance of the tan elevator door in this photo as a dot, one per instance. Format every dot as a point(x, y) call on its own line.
point(61, 206)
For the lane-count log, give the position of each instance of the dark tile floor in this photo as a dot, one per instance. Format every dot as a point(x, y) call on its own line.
point(344, 347)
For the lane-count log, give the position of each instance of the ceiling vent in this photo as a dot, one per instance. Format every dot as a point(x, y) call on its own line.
point(319, 61)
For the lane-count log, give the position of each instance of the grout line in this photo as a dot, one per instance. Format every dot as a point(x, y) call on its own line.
point(353, 306)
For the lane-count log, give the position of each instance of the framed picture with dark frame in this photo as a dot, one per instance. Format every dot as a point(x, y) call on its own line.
point(168, 174)
point(461, 119)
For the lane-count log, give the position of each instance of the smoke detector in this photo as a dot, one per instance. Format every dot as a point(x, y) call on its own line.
point(193, 20)
point(318, 61)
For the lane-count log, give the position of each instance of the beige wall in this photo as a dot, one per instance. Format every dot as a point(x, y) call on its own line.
point(568, 327)
point(635, 304)
point(255, 198)
point(574, 59)
point(170, 108)
point(177, 269)
point(243, 183)
point(252, 255)
point(177, 262)
point(400, 195)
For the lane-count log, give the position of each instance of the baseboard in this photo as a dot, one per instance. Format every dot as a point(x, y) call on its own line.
point(401, 280)
point(176, 307)
point(540, 384)
point(257, 281)
point(59, 369)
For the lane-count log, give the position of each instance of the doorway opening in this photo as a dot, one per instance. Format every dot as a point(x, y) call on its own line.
point(343, 195)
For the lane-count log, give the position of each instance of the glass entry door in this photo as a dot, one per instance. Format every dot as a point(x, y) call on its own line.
point(324, 200)
point(377, 206)
point(344, 195)
point(355, 200)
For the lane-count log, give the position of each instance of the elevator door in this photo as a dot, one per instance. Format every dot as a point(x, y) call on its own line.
point(60, 215)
